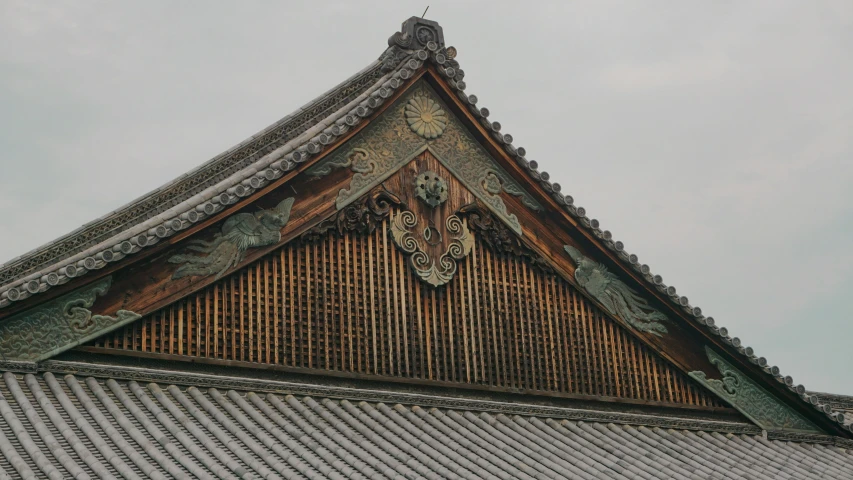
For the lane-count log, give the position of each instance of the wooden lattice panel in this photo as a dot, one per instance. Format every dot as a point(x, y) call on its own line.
point(349, 303)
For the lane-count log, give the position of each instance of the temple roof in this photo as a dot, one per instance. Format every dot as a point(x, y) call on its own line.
point(81, 426)
point(282, 147)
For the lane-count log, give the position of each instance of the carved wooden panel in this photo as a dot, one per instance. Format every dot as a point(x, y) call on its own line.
point(343, 299)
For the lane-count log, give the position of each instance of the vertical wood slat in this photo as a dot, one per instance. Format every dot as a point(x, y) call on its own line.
point(352, 304)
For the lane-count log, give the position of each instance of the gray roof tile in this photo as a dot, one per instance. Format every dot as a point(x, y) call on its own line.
point(105, 429)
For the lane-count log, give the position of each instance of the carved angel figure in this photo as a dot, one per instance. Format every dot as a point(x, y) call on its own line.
point(239, 233)
point(616, 297)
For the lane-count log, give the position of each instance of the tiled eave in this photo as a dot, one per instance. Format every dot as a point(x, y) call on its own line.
point(79, 421)
point(65, 258)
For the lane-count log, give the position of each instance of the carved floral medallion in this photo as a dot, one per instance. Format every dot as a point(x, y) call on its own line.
point(425, 117)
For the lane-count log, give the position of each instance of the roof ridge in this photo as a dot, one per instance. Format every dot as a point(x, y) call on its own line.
point(279, 131)
point(404, 55)
point(226, 191)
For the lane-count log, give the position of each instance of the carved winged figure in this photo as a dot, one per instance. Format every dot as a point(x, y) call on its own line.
point(616, 297)
point(239, 233)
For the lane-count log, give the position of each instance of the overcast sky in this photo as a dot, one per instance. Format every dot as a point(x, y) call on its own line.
point(713, 138)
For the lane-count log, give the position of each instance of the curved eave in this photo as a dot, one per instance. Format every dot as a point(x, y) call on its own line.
point(172, 200)
point(216, 198)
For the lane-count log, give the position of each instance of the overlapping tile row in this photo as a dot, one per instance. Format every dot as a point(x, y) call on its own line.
point(840, 403)
point(72, 427)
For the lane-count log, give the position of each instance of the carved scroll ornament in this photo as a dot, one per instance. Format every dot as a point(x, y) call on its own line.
point(362, 216)
point(58, 325)
point(239, 233)
point(498, 237)
point(424, 265)
point(616, 297)
point(751, 399)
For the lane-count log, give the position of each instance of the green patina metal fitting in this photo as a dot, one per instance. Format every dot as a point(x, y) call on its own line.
point(58, 325)
point(417, 122)
point(616, 297)
point(756, 403)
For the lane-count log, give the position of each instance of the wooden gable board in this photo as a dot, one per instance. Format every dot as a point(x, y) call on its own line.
point(344, 300)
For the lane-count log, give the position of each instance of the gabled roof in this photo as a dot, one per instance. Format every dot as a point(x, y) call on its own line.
point(255, 163)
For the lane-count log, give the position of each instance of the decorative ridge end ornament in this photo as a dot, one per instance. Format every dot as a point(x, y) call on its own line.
point(752, 400)
point(616, 297)
point(58, 325)
point(418, 33)
point(239, 233)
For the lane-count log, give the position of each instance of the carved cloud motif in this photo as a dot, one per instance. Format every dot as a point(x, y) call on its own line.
point(59, 324)
point(750, 399)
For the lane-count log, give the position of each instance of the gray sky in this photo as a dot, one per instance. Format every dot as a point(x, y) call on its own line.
point(712, 138)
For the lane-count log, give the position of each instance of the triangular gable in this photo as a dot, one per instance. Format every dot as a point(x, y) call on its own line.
point(349, 298)
point(139, 286)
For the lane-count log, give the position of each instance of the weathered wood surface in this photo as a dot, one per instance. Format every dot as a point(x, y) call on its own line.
point(351, 304)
